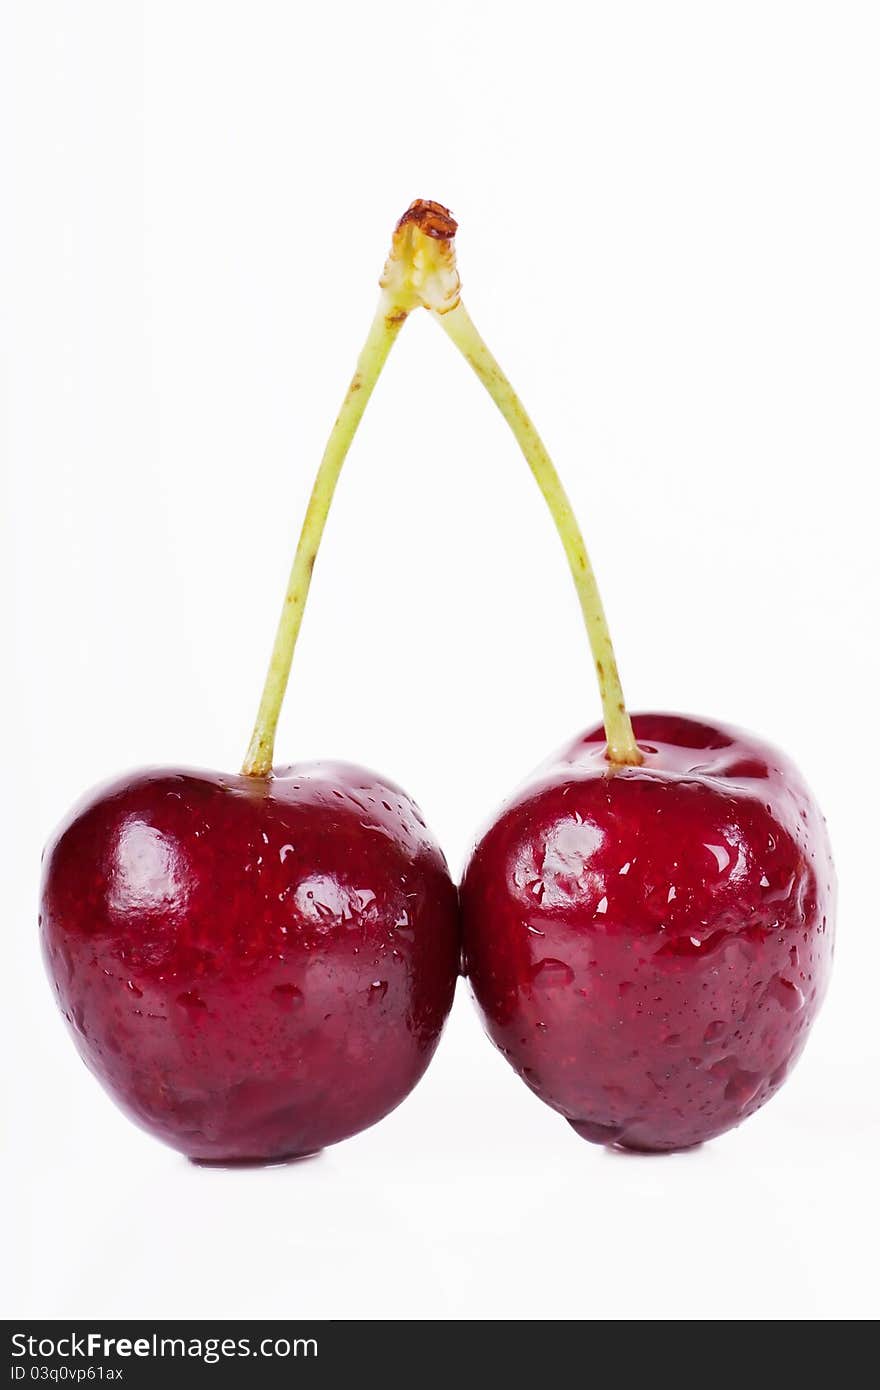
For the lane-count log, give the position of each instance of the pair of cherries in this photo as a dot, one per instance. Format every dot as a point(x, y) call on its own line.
point(258, 965)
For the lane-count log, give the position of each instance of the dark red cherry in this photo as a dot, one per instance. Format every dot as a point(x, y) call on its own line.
point(254, 968)
point(650, 945)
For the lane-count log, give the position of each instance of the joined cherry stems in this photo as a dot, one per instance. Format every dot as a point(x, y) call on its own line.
point(421, 271)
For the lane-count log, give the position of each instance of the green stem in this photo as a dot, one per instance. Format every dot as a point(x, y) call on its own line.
point(458, 325)
point(390, 318)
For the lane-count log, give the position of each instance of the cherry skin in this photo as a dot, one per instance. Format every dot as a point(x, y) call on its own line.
point(649, 946)
point(254, 968)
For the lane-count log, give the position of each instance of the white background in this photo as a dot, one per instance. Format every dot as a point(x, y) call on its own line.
point(669, 233)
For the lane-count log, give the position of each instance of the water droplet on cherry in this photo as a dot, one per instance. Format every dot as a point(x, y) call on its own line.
point(552, 973)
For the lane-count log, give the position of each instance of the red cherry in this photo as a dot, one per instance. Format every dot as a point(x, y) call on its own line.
point(648, 924)
point(649, 945)
point(254, 968)
point(258, 965)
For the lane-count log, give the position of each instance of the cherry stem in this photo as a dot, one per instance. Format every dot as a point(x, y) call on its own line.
point(420, 270)
point(458, 325)
point(383, 332)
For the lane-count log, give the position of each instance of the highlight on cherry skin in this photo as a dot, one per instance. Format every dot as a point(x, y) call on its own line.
point(648, 948)
point(257, 965)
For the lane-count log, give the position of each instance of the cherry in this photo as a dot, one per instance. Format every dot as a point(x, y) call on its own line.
point(258, 965)
point(254, 968)
point(648, 925)
point(649, 945)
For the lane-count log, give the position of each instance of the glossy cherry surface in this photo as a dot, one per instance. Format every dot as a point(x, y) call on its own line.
point(254, 968)
point(650, 947)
